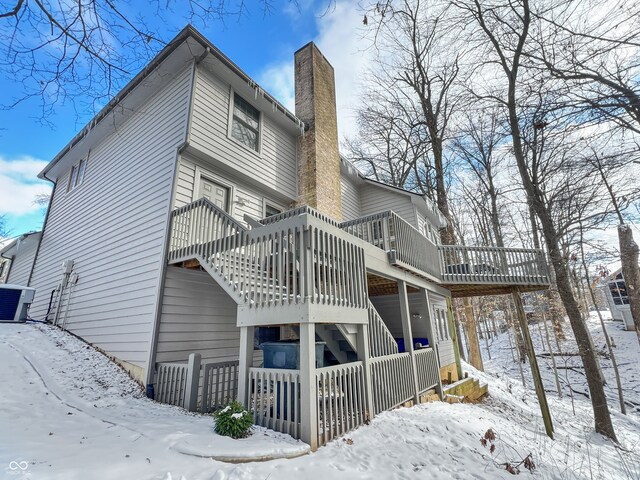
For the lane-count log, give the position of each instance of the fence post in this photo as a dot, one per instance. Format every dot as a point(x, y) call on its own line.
point(246, 361)
point(364, 357)
point(193, 381)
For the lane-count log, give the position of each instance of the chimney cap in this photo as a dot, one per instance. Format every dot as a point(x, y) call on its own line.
point(313, 46)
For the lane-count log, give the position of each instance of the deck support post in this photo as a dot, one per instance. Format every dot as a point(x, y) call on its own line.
point(364, 357)
point(533, 363)
point(431, 335)
point(454, 337)
point(308, 393)
point(246, 361)
point(405, 315)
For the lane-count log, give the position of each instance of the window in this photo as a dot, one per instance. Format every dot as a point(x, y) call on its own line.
point(618, 291)
point(245, 123)
point(270, 211)
point(77, 174)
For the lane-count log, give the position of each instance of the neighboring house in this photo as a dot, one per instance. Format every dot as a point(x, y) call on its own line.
point(616, 293)
point(17, 258)
point(195, 216)
point(5, 264)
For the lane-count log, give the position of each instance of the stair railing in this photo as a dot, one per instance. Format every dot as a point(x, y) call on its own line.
point(381, 341)
point(299, 258)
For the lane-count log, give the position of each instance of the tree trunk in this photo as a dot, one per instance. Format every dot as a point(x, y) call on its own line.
point(475, 358)
point(630, 271)
point(533, 363)
point(602, 416)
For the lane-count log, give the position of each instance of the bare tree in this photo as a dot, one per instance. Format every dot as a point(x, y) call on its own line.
point(595, 54)
point(392, 145)
point(623, 190)
point(612, 356)
point(414, 37)
point(85, 51)
point(476, 143)
point(506, 30)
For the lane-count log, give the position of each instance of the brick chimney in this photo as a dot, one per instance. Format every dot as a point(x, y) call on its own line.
point(318, 156)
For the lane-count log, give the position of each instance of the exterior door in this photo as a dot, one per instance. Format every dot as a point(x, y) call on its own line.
point(219, 196)
point(215, 193)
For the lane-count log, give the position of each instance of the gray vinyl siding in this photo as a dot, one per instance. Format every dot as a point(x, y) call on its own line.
point(246, 199)
point(376, 199)
point(113, 226)
point(23, 261)
point(275, 165)
point(388, 306)
point(198, 316)
point(447, 355)
point(350, 198)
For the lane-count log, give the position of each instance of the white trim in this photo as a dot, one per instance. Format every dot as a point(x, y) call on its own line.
point(201, 172)
point(79, 180)
point(265, 201)
point(230, 108)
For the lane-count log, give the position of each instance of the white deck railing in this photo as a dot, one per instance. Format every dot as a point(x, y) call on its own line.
point(274, 399)
point(427, 369)
point(391, 233)
point(381, 342)
point(197, 386)
point(341, 400)
point(392, 381)
point(493, 265)
point(219, 385)
point(300, 258)
point(171, 383)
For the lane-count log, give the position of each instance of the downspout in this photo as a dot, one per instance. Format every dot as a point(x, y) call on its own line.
point(150, 373)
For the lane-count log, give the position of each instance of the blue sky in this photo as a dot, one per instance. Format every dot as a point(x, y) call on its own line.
point(262, 45)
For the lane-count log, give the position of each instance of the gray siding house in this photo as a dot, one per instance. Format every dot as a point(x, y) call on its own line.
point(17, 258)
point(196, 225)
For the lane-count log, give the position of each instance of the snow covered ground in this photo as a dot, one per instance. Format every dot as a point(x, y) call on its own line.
point(67, 413)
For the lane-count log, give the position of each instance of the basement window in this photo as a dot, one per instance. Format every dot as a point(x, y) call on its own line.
point(77, 174)
point(245, 123)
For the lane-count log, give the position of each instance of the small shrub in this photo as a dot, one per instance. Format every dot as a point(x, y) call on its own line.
point(233, 421)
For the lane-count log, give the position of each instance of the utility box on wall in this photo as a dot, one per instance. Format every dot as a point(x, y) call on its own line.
point(14, 302)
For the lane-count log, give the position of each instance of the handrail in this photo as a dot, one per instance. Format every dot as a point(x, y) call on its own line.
point(450, 264)
point(492, 265)
point(393, 234)
point(381, 342)
point(298, 259)
point(205, 202)
point(296, 212)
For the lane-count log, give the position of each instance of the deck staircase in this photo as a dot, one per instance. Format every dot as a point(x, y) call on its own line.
point(300, 257)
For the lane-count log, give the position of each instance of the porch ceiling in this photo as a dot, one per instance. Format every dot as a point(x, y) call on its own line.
point(384, 286)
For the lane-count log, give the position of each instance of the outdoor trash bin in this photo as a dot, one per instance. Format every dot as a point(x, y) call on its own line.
point(287, 355)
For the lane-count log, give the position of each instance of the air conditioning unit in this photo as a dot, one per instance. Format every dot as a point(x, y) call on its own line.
point(14, 302)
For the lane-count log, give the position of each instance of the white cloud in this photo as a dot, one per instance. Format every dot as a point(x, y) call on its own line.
point(277, 79)
point(19, 184)
point(340, 40)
